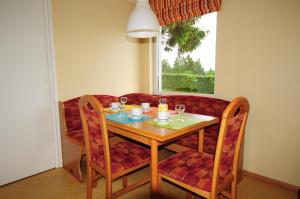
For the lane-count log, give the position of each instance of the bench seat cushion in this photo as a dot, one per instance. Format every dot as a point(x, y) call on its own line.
point(191, 141)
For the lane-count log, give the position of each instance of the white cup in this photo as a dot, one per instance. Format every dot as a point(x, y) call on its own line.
point(145, 106)
point(163, 115)
point(136, 113)
point(114, 106)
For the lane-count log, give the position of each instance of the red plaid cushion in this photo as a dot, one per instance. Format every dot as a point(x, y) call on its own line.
point(192, 141)
point(196, 169)
point(200, 105)
point(190, 167)
point(106, 100)
point(72, 115)
point(138, 98)
point(123, 156)
point(77, 135)
point(229, 145)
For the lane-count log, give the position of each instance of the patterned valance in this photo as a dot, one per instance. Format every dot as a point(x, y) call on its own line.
point(168, 11)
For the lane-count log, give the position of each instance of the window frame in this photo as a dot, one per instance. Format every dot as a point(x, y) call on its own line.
point(157, 70)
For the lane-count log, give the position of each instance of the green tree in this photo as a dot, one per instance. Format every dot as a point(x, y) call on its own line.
point(166, 68)
point(210, 73)
point(187, 65)
point(184, 35)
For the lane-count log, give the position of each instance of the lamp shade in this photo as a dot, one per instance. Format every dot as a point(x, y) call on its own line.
point(142, 21)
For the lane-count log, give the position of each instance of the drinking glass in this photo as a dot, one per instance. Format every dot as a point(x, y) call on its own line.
point(162, 101)
point(123, 101)
point(180, 108)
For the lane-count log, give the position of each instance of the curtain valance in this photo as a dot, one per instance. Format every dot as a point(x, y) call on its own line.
point(169, 11)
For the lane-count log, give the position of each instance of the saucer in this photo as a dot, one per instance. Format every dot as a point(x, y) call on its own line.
point(134, 117)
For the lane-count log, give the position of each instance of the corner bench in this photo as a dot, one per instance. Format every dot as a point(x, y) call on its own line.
point(72, 134)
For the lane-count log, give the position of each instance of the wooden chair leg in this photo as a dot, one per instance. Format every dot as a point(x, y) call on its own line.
point(108, 187)
point(188, 195)
point(234, 189)
point(125, 181)
point(159, 186)
point(89, 182)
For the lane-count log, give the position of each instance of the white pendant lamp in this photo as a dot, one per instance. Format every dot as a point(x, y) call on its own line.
point(142, 21)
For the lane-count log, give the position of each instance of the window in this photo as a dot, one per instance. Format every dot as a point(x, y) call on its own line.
point(186, 56)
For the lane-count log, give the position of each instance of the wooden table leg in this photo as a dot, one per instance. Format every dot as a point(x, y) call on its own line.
point(154, 169)
point(201, 140)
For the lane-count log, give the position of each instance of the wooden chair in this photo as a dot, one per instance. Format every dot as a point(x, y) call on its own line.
point(205, 174)
point(111, 161)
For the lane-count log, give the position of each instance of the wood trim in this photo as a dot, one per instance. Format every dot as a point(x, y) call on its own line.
point(271, 181)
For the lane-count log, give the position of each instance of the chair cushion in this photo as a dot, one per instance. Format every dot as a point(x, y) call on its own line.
point(138, 98)
point(106, 100)
point(72, 115)
point(77, 135)
point(198, 104)
point(190, 167)
point(123, 156)
point(191, 141)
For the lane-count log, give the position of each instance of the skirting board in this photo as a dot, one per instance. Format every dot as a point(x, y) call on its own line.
point(271, 181)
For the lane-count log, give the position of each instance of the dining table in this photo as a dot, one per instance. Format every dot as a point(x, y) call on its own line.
point(154, 134)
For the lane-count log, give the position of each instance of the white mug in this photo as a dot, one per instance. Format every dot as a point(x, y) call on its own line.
point(114, 106)
point(136, 113)
point(145, 106)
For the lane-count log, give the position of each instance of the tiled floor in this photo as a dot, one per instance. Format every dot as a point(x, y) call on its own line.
point(59, 184)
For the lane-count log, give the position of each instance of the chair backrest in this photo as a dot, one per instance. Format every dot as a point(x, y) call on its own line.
point(95, 131)
point(231, 133)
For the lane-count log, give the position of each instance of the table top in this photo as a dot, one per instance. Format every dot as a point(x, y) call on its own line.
point(161, 133)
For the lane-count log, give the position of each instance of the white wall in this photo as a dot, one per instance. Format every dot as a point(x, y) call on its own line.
point(258, 48)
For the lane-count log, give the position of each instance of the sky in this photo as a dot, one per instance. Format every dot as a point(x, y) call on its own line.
point(206, 52)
